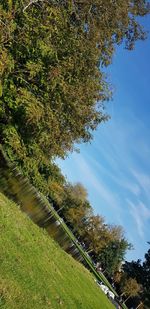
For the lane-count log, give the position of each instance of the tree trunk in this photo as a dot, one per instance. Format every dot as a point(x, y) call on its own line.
point(89, 251)
point(126, 299)
point(139, 305)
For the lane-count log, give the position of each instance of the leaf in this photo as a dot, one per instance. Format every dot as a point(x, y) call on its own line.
point(1, 89)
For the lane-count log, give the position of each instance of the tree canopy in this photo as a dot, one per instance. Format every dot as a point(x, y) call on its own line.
point(113, 254)
point(141, 272)
point(130, 288)
point(52, 85)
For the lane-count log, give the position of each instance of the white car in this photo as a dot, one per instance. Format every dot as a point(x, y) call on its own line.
point(104, 288)
point(111, 294)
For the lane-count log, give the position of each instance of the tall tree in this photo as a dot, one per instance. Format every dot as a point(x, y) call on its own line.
point(113, 255)
point(75, 192)
point(141, 272)
point(76, 207)
point(130, 288)
point(52, 85)
point(146, 279)
point(134, 269)
point(96, 234)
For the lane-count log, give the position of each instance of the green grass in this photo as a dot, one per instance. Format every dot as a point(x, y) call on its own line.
point(36, 273)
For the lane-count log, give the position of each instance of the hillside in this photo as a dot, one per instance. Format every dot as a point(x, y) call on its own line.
point(36, 273)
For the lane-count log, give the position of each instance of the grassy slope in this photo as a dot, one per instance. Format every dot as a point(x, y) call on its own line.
point(36, 273)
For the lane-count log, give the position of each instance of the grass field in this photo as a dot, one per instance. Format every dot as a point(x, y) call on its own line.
point(36, 273)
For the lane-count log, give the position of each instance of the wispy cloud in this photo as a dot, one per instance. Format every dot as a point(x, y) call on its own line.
point(140, 214)
point(143, 179)
point(116, 172)
point(103, 190)
point(119, 178)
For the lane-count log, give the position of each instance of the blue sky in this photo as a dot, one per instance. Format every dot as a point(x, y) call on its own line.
point(115, 167)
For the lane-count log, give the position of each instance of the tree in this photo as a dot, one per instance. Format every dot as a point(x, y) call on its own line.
point(95, 234)
point(116, 231)
point(44, 66)
point(52, 85)
point(140, 271)
point(75, 192)
point(117, 277)
point(76, 207)
point(134, 269)
point(113, 254)
point(146, 279)
point(130, 288)
point(75, 216)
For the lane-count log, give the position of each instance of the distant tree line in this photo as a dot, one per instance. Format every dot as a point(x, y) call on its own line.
point(105, 243)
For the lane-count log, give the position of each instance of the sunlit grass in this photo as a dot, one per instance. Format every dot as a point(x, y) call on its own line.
point(36, 273)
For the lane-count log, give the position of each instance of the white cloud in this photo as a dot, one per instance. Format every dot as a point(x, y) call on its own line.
point(131, 186)
point(140, 214)
point(145, 212)
point(117, 167)
point(143, 179)
point(119, 178)
point(95, 182)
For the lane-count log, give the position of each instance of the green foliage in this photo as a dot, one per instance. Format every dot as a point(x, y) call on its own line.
point(140, 271)
point(76, 207)
point(146, 279)
point(96, 234)
point(43, 67)
point(76, 192)
point(52, 86)
point(130, 287)
point(133, 269)
point(113, 255)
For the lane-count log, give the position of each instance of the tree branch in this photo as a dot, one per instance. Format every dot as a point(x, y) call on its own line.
point(30, 3)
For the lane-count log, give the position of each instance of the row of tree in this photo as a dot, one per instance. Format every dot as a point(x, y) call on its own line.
point(105, 243)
